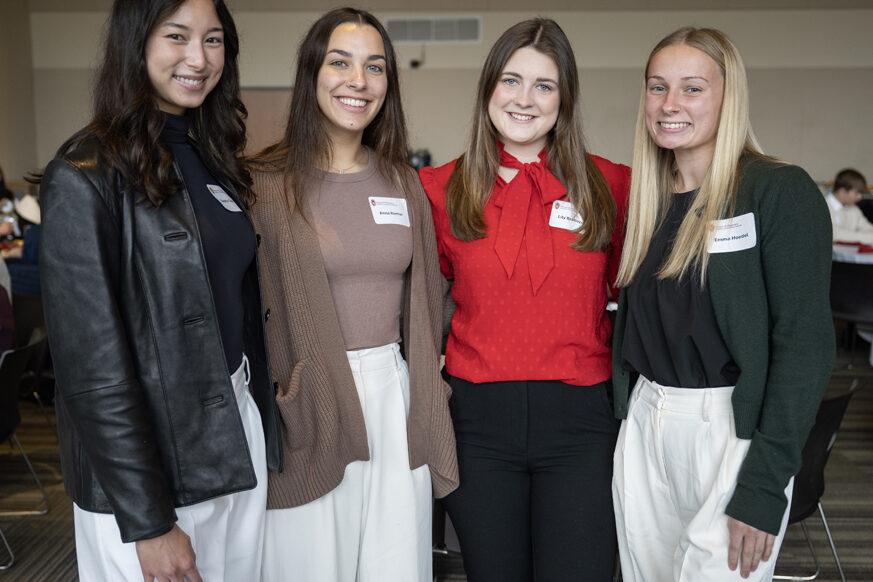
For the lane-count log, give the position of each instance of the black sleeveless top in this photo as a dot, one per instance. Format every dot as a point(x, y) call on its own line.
point(671, 334)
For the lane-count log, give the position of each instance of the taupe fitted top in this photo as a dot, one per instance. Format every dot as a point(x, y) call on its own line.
point(365, 261)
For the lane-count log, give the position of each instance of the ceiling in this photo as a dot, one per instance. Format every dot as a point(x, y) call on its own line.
point(484, 5)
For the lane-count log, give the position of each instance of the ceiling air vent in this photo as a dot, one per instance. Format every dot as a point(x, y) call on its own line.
point(435, 30)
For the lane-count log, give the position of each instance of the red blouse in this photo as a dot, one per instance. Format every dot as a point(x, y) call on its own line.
point(507, 327)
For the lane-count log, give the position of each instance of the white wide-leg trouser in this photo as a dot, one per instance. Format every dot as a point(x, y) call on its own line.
point(226, 532)
point(675, 469)
point(376, 525)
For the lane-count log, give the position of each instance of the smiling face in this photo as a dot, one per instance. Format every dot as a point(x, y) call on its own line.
point(525, 102)
point(684, 93)
point(185, 56)
point(351, 82)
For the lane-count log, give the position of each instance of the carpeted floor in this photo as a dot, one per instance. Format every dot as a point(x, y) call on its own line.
point(44, 546)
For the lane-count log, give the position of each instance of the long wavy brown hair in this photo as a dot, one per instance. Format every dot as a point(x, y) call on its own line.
point(305, 146)
point(127, 122)
point(475, 173)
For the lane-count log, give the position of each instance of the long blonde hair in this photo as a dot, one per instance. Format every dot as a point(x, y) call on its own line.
point(474, 175)
point(654, 168)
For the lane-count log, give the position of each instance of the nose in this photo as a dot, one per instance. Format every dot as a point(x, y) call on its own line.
point(671, 102)
point(196, 56)
point(524, 97)
point(357, 79)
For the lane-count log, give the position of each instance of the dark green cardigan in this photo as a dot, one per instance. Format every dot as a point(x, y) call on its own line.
point(772, 307)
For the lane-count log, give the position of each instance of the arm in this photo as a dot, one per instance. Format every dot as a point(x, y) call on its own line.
point(81, 259)
point(620, 187)
point(795, 241)
point(435, 193)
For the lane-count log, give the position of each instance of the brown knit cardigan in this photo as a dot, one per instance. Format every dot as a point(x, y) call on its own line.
point(322, 423)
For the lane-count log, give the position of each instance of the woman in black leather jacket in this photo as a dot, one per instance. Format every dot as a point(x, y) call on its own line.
point(151, 291)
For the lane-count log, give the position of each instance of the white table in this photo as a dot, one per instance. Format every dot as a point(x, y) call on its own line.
point(850, 254)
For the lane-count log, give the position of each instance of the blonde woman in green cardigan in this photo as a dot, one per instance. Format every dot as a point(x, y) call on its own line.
point(724, 317)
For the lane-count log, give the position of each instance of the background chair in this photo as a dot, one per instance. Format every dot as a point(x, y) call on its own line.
point(852, 295)
point(809, 483)
point(13, 363)
point(11, 561)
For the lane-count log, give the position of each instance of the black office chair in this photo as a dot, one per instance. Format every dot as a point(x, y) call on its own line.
point(12, 365)
point(11, 561)
point(852, 296)
point(809, 483)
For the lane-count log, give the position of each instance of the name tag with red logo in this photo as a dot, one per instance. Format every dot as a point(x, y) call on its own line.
point(564, 216)
point(389, 210)
point(733, 234)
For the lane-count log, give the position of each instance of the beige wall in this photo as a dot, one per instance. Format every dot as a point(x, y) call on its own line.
point(17, 137)
point(811, 74)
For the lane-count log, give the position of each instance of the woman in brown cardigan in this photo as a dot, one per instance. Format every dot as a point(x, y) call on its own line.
point(353, 284)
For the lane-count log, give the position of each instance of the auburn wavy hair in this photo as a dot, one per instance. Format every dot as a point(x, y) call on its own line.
point(475, 173)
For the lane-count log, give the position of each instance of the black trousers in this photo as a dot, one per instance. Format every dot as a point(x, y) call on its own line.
point(535, 500)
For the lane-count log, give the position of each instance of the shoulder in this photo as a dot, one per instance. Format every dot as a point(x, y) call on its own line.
point(764, 182)
point(434, 181)
point(616, 175)
point(267, 184)
point(83, 170)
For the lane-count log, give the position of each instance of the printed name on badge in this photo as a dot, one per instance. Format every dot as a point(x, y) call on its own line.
point(733, 234)
point(223, 198)
point(389, 210)
point(564, 216)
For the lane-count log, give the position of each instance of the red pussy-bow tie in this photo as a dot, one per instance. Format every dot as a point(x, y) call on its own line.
point(524, 202)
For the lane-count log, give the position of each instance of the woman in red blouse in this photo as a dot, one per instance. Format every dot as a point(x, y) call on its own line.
point(530, 228)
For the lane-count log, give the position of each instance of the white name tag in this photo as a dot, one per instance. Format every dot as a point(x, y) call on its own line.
point(733, 234)
point(564, 216)
point(223, 198)
point(389, 210)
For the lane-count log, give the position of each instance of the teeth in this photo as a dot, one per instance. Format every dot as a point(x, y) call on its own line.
point(352, 102)
point(521, 117)
point(675, 125)
point(189, 82)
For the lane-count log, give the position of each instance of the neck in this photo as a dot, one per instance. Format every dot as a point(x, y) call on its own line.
point(525, 154)
point(693, 167)
point(346, 154)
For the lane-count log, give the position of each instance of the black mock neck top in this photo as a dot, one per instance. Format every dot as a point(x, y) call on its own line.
point(226, 233)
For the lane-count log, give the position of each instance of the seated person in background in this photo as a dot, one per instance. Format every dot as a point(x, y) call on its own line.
point(849, 222)
point(7, 214)
point(23, 261)
point(7, 319)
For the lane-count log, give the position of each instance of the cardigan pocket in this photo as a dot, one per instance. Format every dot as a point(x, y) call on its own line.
point(297, 409)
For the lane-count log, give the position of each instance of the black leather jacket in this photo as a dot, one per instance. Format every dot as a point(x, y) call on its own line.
point(146, 412)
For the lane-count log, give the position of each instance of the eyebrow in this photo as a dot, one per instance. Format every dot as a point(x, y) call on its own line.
point(183, 27)
point(347, 54)
point(538, 79)
point(689, 78)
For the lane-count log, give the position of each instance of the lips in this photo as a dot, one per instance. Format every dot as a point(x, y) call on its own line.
point(190, 82)
point(352, 102)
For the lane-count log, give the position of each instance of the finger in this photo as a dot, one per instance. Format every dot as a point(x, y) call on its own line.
point(748, 556)
point(734, 544)
point(769, 542)
point(193, 575)
point(758, 544)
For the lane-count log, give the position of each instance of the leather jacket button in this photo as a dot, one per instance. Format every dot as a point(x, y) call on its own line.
point(267, 314)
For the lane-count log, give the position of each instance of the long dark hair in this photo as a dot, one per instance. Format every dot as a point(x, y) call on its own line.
point(305, 144)
point(127, 122)
point(474, 175)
